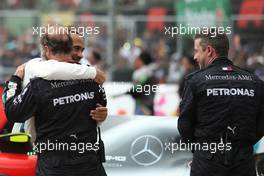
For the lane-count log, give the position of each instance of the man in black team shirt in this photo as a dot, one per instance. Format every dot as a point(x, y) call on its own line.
point(66, 135)
point(224, 105)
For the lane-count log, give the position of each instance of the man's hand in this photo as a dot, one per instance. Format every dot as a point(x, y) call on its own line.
point(20, 71)
point(100, 76)
point(99, 114)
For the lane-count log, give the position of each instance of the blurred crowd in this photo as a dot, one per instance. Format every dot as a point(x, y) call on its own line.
point(17, 50)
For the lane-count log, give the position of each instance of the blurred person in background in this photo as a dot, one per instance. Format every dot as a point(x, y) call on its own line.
point(174, 69)
point(188, 65)
point(256, 63)
point(237, 53)
point(143, 76)
point(160, 55)
point(9, 57)
point(94, 58)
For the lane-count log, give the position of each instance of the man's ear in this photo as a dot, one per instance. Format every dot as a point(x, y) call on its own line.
point(210, 50)
point(47, 51)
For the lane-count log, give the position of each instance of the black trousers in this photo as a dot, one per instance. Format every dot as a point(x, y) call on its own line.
point(81, 165)
point(239, 162)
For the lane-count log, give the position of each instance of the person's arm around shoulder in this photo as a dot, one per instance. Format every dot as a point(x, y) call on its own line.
point(54, 70)
point(19, 104)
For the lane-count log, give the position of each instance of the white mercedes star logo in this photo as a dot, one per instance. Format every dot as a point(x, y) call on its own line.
point(146, 150)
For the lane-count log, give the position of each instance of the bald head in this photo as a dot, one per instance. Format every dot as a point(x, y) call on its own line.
point(56, 41)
